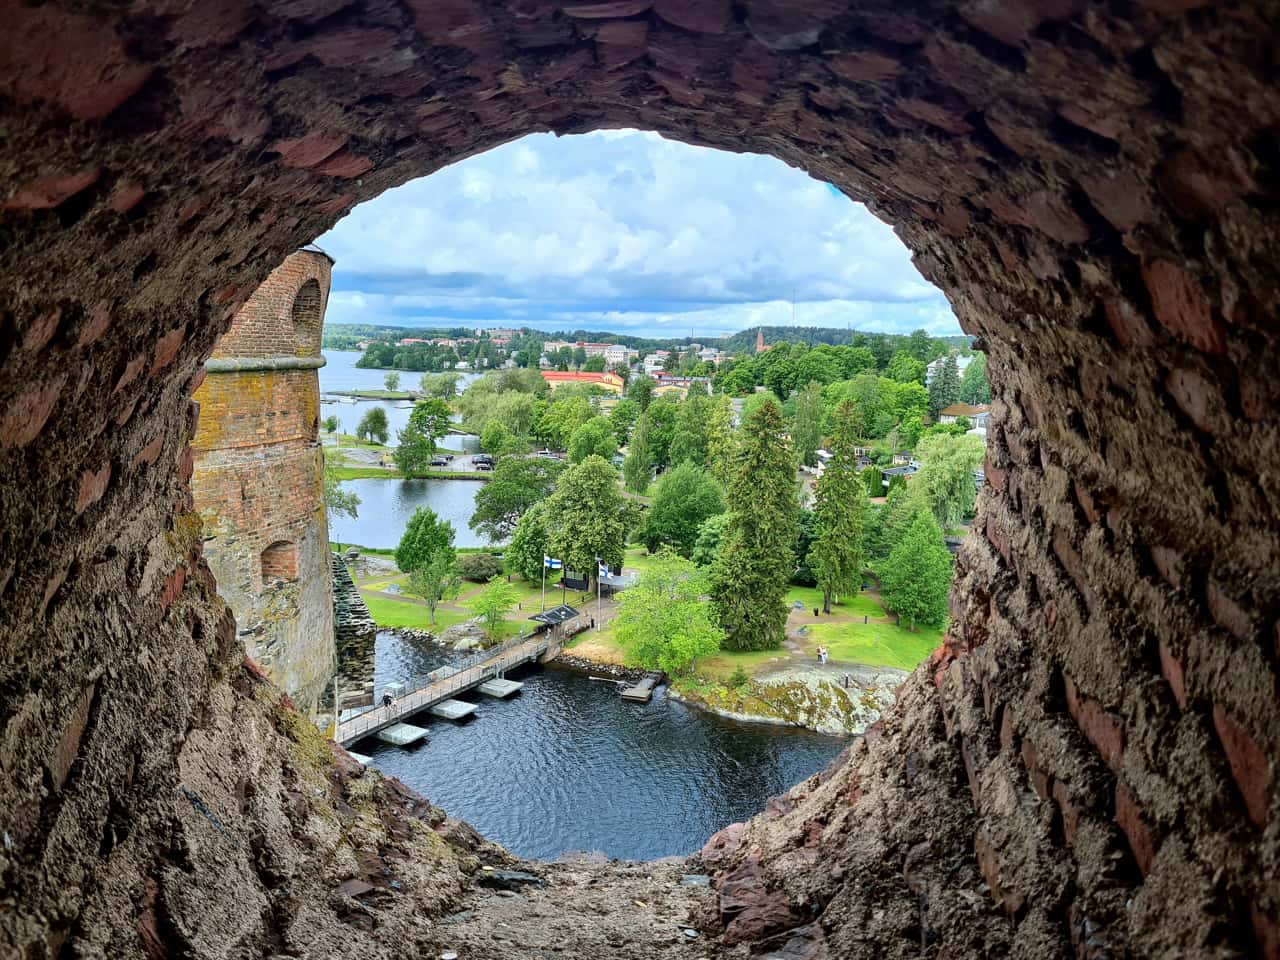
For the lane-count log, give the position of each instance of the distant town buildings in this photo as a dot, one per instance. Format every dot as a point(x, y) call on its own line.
point(607, 380)
point(976, 415)
point(935, 366)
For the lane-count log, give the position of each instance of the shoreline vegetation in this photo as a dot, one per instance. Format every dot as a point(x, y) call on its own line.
point(785, 686)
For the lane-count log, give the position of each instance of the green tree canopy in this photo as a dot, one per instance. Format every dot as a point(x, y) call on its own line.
point(493, 604)
point(391, 380)
point(749, 578)
point(594, 364)
point(529, 544)
point(915, 578)
point(662, 415)
point(806, 422)
point(337, 501)
point(593, 438)
point(518, 483)
point(689, 443)
point(681, 500)
point(835, 556)
point(623, 417)
point(720, 438)
point(663, 622)
point(373, 425)
point(330, 424)
point(435, 580)
point(561, 417)
point(904, 368)
point(641, 391)
point(496, 439)
point(587, 517)
point(424, 537)
point(637, 468)
point(974, 388)
point(947, 464)
point(710, 536)
point(428, 422)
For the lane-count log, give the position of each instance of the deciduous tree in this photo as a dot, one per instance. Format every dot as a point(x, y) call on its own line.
point(493, 604)
point(749, 578)
point(806, 423)
point(974, 388)
point(587, 517)
point(720, 438)
point(637, 468)
point(915, 578)
point(681, 500)
point(435, 580)
point(518, 483)
point(373, 426)
point(391, 380)
point(689, 443)
point(663, 621)
point(593, 438)
point(424, 537)
point(947, 464)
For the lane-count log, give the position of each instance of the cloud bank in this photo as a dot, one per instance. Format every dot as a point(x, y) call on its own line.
point(624, 231)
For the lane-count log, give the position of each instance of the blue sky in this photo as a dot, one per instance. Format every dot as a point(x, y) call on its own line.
point(627, 232)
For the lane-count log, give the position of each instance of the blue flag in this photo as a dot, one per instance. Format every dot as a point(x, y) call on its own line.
point(551, 564)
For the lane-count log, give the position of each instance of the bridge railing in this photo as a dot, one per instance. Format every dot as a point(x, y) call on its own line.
point(480, 666)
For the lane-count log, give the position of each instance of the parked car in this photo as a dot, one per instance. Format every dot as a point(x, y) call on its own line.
point(482, 465)
point(439, 461)
point(480, 458)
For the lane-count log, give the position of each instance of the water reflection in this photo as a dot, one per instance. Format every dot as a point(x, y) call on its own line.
point(387, 505)
point(567, 765)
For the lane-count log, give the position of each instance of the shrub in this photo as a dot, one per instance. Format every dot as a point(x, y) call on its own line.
point(739, 678)
point(479, 567)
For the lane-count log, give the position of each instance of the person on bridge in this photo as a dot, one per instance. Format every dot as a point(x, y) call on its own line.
point(388, 700)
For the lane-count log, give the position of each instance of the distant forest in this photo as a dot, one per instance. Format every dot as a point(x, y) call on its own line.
point(345, 336)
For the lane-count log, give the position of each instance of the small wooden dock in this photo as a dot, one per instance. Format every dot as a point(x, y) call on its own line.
point(447, 682)
point(642, 692)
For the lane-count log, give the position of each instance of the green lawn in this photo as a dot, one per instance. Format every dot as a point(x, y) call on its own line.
point(723, 664)
point(856, 606)
point(876, 644)
point(376, 394)
point(397, 613)
point(365, 472)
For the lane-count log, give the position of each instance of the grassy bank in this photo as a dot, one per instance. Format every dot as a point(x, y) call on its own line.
point(376, 394)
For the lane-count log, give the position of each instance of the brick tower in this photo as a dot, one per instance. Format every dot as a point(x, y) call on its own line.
point(258, 480)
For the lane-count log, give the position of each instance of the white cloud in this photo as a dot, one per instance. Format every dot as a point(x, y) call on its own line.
point(625, 228)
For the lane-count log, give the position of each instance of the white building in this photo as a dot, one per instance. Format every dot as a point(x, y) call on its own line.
point(932, 369)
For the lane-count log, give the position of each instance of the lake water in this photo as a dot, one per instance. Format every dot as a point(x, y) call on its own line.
point(567, 765)
point(387, 505)
point(341, 373)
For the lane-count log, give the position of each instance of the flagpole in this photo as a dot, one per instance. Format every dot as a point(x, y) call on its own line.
point(597, 594)
point(544, 583)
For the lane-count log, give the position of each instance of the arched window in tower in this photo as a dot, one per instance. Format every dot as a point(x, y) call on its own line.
point(307, 315)
point(279, 562)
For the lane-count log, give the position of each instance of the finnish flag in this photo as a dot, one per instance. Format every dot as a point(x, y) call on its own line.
point(551, 564)
point(604, 568)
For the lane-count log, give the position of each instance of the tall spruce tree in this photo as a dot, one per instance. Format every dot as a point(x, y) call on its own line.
point(749, 578)
point(836, 556)
point(944, 388)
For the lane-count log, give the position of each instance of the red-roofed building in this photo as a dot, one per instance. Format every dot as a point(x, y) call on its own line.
point(606, 381)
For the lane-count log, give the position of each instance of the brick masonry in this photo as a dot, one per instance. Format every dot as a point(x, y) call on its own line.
point(1091, 183)
point(258, 480)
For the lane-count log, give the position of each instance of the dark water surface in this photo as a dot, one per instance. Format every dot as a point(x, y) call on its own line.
point(567, 765)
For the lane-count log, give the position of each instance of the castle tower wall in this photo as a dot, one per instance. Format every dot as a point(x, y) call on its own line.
point(258, 479)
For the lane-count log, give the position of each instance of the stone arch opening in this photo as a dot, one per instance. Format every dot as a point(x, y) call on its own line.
point(1092, 750)
point(307, 316)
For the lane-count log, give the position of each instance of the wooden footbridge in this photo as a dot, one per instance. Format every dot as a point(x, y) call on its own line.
point(436, 688)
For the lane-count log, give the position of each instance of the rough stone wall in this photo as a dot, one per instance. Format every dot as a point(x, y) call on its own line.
point(1086, 768)
point(258, 479)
